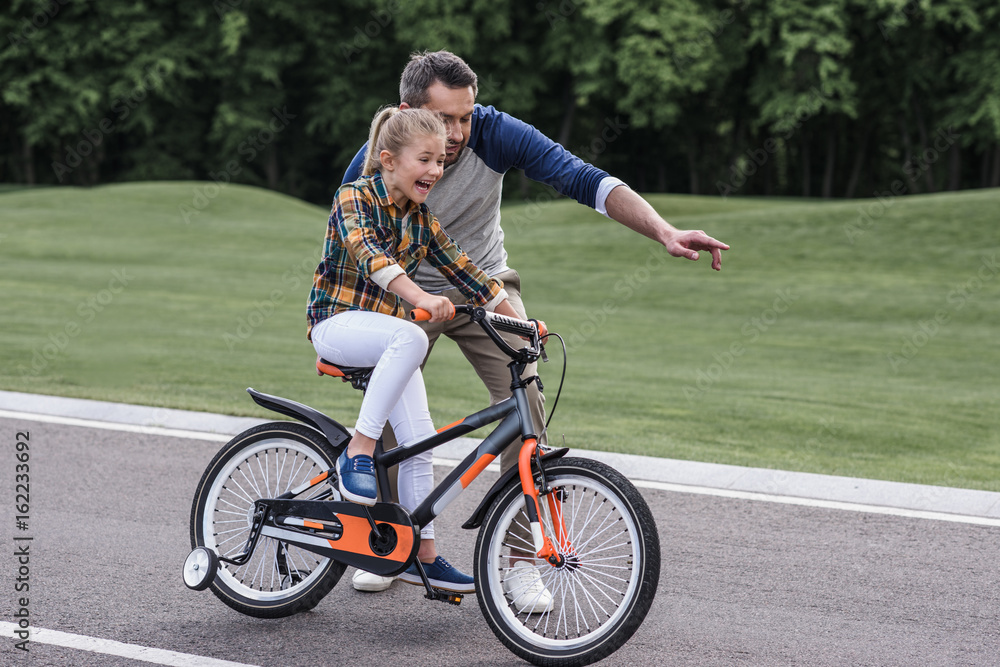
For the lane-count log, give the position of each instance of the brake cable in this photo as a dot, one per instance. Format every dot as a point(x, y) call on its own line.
point(562, 379)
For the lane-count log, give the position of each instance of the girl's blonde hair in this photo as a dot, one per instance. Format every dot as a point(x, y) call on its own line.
point(393, 129)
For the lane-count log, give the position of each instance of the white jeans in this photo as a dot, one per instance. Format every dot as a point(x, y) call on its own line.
point(396, 348)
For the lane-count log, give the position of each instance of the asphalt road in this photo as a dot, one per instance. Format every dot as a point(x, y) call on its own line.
point(742, 582)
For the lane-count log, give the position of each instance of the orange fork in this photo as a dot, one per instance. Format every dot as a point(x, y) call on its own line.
point(543, 545)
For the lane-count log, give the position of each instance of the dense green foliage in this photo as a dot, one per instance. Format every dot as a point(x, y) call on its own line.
point(785, 97)
point(847, 337)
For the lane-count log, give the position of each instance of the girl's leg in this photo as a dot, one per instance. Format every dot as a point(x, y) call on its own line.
point(396, 348)
point(354, 339)
point(411, 422)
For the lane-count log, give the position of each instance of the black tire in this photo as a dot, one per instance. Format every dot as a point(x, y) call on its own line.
point(263, 462)
point(603, 593)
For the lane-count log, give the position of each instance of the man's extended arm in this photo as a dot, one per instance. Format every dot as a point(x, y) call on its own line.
point(628, 208)
point(504, 142)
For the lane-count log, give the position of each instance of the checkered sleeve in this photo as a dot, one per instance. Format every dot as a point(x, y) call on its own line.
point(357, 224)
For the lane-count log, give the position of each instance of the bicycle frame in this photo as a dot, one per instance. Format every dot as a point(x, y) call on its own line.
point(515, 420)
point(570, 590)
point(474, 463)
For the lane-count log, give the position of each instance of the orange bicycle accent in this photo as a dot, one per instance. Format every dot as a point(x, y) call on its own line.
point(355, 539)
point(543, 545)
point(323, 367)
point(445, 428)
point(562, 535)
point(319, 478)
point(477, 468)
point(421, 315)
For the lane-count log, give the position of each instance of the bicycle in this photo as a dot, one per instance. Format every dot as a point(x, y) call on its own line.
point(271, 535)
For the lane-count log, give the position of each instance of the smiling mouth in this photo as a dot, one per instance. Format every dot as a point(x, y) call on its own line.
point(423, 187)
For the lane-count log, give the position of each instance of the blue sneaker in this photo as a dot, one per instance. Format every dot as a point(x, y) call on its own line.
point(357, 478)
point(441, 575)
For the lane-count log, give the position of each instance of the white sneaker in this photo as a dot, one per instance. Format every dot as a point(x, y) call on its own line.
point(524, 588)
point(370, 583)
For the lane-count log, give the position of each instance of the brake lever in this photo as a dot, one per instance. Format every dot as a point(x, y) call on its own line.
point(542, 332)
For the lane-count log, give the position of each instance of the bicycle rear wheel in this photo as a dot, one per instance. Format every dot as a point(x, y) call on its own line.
point(263, 462)
point(604, 589)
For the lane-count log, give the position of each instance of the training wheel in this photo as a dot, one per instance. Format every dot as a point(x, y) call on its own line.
point(199, 568)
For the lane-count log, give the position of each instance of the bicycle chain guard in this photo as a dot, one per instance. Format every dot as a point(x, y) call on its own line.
point(342, 531)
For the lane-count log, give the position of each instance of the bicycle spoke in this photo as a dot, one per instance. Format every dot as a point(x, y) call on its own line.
point(278, 467)
point(600, 586)
point(242, 509)
point(296, 477)
point(274, 563)
point(576, 609)
point(252, 480)
point(590, 601)
point(266, 469)
point(579, 604)
point(263, 475)
point(230, 539)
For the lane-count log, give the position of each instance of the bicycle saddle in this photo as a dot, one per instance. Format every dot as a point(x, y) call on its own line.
point(358, 376)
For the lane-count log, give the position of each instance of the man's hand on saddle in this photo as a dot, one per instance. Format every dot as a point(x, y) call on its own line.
point(688, 242)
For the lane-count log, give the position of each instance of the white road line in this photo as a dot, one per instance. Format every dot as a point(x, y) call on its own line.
point(108, 647)
point(814, 502)
point(662, 486)
point(116, 426)
point(786, 500)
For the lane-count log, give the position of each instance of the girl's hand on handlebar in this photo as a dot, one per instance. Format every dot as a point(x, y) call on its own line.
point(440, 308)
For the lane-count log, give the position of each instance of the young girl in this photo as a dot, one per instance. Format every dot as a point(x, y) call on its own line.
point(378, 232)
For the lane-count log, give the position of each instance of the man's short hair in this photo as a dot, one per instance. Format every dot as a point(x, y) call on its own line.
point(424, 69)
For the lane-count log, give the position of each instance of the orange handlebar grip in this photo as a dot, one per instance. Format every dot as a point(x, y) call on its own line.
point(421, 315)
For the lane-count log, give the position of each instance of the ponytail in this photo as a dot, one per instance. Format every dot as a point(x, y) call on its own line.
point(393, 129)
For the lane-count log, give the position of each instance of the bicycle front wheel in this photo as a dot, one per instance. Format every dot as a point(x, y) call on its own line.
point(604, 588)
point(263, 462)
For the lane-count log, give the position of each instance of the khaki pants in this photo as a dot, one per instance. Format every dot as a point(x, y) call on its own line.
point(487, 360)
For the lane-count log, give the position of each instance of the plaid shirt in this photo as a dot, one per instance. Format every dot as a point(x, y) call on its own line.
point(367, 232)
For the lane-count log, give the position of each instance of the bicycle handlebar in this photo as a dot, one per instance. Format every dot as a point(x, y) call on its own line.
point(492, 322)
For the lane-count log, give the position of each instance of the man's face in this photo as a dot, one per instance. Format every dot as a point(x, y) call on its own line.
point(455, 106)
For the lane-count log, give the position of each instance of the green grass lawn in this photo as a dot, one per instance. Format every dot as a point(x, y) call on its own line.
point(833, 341)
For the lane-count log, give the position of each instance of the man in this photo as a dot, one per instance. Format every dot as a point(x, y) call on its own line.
point(483, 144)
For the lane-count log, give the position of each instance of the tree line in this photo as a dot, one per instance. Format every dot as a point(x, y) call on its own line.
point(818, 98)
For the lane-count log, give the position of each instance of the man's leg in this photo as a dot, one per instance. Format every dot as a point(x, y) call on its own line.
point(522, 583)
point(491, 365)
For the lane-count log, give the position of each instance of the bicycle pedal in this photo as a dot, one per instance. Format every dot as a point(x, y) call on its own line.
point(445, 596)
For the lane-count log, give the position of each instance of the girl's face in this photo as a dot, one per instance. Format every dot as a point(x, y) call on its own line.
point(412, 173)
